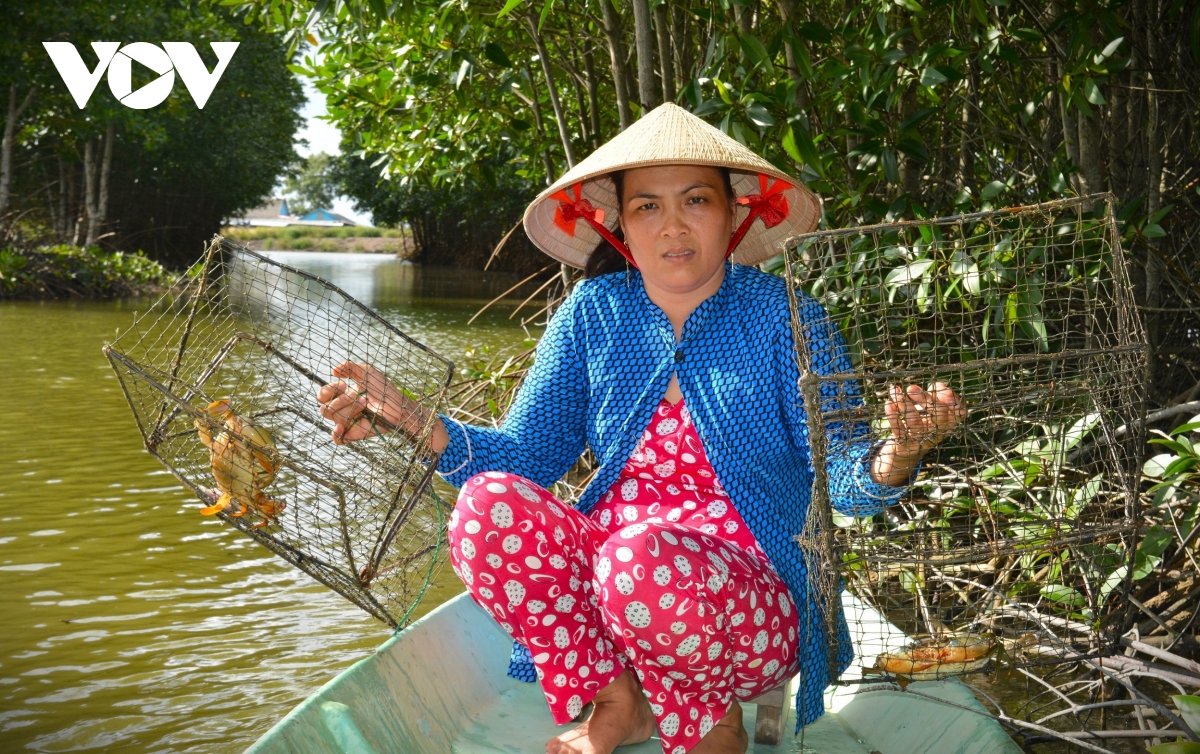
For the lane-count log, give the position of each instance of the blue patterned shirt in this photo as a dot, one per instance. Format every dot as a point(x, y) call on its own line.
point(601, 369)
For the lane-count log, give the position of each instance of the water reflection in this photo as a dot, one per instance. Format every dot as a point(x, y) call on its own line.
point(130, 622)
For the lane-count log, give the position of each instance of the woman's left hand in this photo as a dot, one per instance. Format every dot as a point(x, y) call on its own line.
point(919, 420)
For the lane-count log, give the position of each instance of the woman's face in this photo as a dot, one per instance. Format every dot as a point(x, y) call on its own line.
point(677, 221)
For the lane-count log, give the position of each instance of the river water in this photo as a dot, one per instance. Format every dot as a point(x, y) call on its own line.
point(129, 622)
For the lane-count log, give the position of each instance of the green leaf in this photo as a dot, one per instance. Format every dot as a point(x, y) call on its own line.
point(1081, 497)
point(1156, 540)
point(1191, 426)
point(1092, 92)
point(908, 273)
point(759, 116)
point(950, 72)
point(1177, 747)
point(1063, 595)
point(911, 5)
point(1008, 55)
point(755, 51)
point(979, 12)
point(463, 69)
point(1114, 580)
point(1179, 466)
point(508, 8)
point(992, 190)
point(963, 266)
point(789, 145)
point(890, 170)
point(1153, 230)
point(1111, 47)
point(932, 77)
point(805, 150)
point(1079, 430)
point(495, 53)
point(917, 118)
point(723, 90)
point(1189, 710)
point(815, 32)
point(708, 107)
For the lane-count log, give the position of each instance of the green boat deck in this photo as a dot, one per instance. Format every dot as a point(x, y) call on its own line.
point(440, 686)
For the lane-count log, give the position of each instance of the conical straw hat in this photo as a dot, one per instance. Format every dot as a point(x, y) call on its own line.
point(669, 135)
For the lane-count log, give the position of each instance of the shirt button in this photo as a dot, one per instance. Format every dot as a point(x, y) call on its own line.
point(679, 356)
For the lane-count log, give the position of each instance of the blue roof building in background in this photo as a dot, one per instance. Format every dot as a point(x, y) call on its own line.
point(276, 214)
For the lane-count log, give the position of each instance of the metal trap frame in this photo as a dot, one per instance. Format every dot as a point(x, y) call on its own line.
point(360, 518)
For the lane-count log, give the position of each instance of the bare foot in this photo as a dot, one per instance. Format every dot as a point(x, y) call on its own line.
point(726, 737)
point(621, 716)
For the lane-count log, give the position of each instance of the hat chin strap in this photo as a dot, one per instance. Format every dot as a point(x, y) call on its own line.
point(770, 204)
point(569, 210)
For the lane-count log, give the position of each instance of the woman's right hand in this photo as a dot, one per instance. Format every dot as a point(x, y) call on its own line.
point(344, 405)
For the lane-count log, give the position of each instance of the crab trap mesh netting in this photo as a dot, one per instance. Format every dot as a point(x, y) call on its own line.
point(1017, 536)
point(222, 374)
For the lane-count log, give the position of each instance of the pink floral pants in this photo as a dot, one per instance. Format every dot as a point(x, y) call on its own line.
point(663, 576)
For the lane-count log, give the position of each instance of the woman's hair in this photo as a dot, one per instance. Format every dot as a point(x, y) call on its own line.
point(606, 258)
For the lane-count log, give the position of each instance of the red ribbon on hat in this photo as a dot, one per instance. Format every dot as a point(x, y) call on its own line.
point(771, 205)
point(570, 210)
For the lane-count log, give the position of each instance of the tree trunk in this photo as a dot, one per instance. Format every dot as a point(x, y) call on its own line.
point(1090, 143)
point(681, 46)
point(644, 44)
point(563, 134)
point(1117, 151)
point(966, 146)
point(541, 126)
point(1070, 131)
point(105, 172)
point(1154, 173)
point(593, 91)
point(786, 9)
point(60, 227)
point(1089, 153)
point(76, 207)
point(616, 57)
point(744, 16)
point(6, 145)
point(666, 58)
point(89, 190)
point(577, 86)
point(909, 167)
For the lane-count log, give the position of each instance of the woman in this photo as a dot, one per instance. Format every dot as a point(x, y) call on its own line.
point(671, 589)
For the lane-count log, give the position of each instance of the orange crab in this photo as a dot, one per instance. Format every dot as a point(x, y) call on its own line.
point(243, 459)
point(938, 657)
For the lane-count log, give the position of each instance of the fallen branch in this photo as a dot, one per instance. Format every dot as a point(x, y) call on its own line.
point(1161, 654)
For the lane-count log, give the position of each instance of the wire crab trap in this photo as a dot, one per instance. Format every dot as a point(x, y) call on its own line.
point(1018, 534)
point(222, 374)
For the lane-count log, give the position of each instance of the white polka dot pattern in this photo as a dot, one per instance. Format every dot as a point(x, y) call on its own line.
point(608, 354)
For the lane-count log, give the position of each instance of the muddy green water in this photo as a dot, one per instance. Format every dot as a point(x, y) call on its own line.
point(127, 621)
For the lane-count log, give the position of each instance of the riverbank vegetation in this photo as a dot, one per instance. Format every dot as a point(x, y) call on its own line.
point(315, 238)
point(66, 271)
point(162, 179)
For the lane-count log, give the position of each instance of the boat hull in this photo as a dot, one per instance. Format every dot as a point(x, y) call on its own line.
point(440, 686)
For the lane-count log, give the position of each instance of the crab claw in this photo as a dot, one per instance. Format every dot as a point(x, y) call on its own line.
point(271, 508)
point(221, 504)
point(219, 409)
